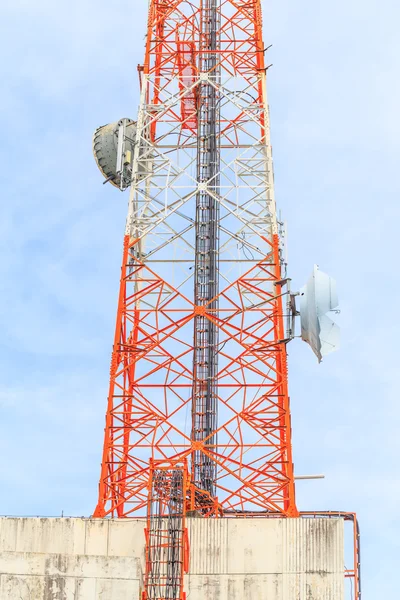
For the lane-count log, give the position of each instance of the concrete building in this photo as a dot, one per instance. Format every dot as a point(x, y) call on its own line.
point(230, 559)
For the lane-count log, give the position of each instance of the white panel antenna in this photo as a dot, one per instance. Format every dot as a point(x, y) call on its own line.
point(317, 298)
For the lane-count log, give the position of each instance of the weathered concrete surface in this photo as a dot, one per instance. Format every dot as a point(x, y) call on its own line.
point(266, 559)
point(230, 559)
point(71, 559)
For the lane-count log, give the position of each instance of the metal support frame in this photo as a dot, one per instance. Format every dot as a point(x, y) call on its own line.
point(166, 534)
point(244, 460)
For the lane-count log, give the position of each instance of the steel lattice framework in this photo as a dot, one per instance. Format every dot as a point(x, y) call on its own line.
point(199, 364)
point(167, 548)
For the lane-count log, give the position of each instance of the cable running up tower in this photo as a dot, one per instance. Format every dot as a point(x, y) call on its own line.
point(205, 371)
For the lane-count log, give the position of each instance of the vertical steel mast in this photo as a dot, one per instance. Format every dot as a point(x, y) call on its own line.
point(200, 328)
point(205, 371)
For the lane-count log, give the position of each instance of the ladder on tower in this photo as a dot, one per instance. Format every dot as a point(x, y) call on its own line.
point(167, 556)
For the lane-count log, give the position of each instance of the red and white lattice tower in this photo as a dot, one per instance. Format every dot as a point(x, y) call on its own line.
point(198, 416)
point(199, 364)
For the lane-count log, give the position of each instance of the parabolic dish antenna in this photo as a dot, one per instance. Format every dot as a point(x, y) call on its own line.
point(317, 298)
point(113, 147)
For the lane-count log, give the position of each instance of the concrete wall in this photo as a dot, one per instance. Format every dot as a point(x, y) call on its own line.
point(230, 559)
point(266, 559)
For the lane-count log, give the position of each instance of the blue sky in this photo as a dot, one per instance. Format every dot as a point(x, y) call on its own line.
point(334, 96)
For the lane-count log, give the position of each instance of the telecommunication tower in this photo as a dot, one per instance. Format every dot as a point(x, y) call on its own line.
point(198, 415)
